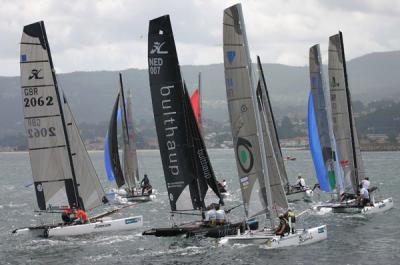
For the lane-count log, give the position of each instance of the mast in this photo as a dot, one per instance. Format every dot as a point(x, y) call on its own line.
point(200, 106)
point(350, 112)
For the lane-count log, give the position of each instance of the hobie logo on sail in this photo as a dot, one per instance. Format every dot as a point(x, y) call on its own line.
point(35, 74)
point(334, 83)
point(244, 154)
point(231, 56)
point(157, 48)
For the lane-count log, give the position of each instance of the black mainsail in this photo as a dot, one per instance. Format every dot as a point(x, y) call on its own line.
point(62, 170)
point(128, 173)
point(113, 146)
point(186, 164)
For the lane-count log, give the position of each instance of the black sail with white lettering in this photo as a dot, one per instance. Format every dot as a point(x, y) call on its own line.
point(113, 146)
point(178, 136)
point(61, 169)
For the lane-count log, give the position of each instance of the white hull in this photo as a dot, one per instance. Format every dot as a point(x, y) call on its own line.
point(105, 225)
point(268, 240)
point(378, 207)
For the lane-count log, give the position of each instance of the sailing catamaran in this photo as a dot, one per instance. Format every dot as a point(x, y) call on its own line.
point(252, 125)
point(63, 174)
point(187, 168)
point(127, 179)
point(338, 162)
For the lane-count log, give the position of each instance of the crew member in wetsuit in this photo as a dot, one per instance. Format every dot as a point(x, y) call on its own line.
point(145, 185)
point(283, 227)
point(80, 216)
point(291, 218)
point(66, 216)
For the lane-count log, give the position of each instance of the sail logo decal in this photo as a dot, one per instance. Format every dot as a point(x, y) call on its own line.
point(35, 74)
point(244, 154)
point(171, 197)
point(170, 129)
point(231, 56)
point(23, 58)
point(132, 221)
point(204, 163)
point(39, 187)
point(334, 83)
point(229, 82)
point(157, 48)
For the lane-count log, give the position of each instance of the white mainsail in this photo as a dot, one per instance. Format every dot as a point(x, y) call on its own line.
point(61, 169)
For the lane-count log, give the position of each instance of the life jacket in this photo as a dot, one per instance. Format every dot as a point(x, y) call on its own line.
point(81, 214)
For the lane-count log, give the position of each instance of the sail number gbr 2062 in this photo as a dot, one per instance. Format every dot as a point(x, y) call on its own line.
point(38, 131)
point(32, 99)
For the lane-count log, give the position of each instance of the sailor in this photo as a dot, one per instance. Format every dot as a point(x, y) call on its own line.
point(283, 226)
point(80, 216)
point(66, 215)
point(144, 184)
point(365, 183)
point(220, 215)
point(224, 184)
point(290, 216)
point(211, 215)
point(363, 198)
point(301, 183)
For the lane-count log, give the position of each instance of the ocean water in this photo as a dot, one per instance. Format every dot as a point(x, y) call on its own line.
point(352, 239)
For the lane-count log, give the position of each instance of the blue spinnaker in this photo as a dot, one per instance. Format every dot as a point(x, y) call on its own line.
point(107, 160)
point(315, 147)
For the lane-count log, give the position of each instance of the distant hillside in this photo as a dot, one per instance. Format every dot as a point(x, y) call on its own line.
point(91, 94)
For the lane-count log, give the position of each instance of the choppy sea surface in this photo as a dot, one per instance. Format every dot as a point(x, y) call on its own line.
point(352, 239)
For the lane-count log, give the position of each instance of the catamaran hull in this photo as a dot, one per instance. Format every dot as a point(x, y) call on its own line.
point(269, 241)
point(196, 229)
point(107, 225)
point(305, 195)
point(378, 207)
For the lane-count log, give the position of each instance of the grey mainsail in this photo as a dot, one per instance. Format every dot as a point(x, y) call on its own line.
point(322, 107)
point(276, 168)
point(62, 172)
point(343, 121)
point(131, 168)
point(245, 120)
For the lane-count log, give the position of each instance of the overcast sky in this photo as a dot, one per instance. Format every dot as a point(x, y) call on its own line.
point(89, 35)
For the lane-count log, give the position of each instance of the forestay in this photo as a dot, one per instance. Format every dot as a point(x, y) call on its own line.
point(343, 121)
point(186, 165)
point(242, 114)
point(62, 172)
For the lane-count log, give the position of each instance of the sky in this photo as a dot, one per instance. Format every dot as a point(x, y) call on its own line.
point(94, 35)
